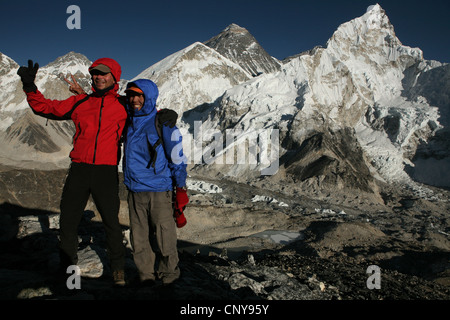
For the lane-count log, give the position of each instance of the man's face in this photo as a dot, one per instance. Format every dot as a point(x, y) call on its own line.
point(136, 100)
point(103, 80)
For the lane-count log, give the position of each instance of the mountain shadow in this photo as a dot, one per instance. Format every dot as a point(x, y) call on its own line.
point(432, 159)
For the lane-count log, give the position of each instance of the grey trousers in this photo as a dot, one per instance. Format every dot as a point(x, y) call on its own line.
point(151, 220)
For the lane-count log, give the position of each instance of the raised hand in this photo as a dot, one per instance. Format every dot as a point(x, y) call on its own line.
point(28, 75)
point(74, 87)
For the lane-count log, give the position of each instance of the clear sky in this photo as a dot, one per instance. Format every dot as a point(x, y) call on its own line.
point(140, 33)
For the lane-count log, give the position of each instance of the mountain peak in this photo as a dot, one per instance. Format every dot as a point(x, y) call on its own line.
point(6, 64)
point(374, 8)
point(373, 34)
point(234, 28)
point(375, 14)
point(70, 63)
point(238, 45)
point(71, 57)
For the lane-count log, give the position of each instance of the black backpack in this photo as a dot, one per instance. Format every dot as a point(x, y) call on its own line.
point(164, 117)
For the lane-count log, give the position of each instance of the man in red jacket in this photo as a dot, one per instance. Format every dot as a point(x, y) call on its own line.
point(99, 120)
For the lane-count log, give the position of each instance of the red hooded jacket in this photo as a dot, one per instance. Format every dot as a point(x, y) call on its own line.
point(99, 119)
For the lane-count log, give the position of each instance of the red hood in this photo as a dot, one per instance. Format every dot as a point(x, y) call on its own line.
point(112, 64)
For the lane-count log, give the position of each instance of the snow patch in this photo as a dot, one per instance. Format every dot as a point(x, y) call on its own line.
point(202, 186)
point(268, 200)
point(329, 211)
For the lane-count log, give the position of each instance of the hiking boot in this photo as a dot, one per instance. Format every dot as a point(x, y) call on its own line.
point(147, 283)
point(119, 278)
point(169, 278)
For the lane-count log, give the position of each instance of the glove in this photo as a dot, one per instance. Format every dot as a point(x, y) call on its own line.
point(168, 117)
point(181, 200)
point(180, 219)
point(28, 75)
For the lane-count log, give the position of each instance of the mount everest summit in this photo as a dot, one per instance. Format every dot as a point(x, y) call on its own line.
point(238, 45)
point(362, 109)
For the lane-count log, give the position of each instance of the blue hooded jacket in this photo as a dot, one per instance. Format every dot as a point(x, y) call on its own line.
point(146, 169)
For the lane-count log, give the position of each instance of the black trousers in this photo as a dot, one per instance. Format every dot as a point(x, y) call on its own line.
point(102, 182)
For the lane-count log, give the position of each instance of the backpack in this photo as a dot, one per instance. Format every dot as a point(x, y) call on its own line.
point(165, 117)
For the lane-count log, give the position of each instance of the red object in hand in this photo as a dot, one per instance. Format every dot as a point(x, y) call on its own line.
point(180, 219)
point(181, 200)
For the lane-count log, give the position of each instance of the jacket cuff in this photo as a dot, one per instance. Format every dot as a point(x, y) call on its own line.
point(29, 87)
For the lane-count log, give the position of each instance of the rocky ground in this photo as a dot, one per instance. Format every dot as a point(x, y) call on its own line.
point(318, 247)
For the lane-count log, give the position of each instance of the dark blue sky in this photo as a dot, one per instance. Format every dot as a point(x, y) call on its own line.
point(140, 33)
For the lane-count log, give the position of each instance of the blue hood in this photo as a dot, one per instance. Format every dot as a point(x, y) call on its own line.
point(151, 95)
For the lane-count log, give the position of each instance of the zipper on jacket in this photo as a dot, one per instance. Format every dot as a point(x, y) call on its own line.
point(98, 132)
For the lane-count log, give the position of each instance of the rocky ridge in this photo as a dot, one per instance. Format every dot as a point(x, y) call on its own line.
point(241, 242)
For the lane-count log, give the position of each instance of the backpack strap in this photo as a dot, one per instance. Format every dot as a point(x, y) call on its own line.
point(152, 148)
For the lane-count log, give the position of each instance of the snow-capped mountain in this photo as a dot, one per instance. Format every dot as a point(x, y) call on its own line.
point(363, 108)
point(193, 76)
point(29, 140)
point(11, 95)
point(364, 80)
point(238, 45)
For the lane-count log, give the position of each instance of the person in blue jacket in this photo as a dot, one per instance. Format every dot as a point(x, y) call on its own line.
point(154, 167)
